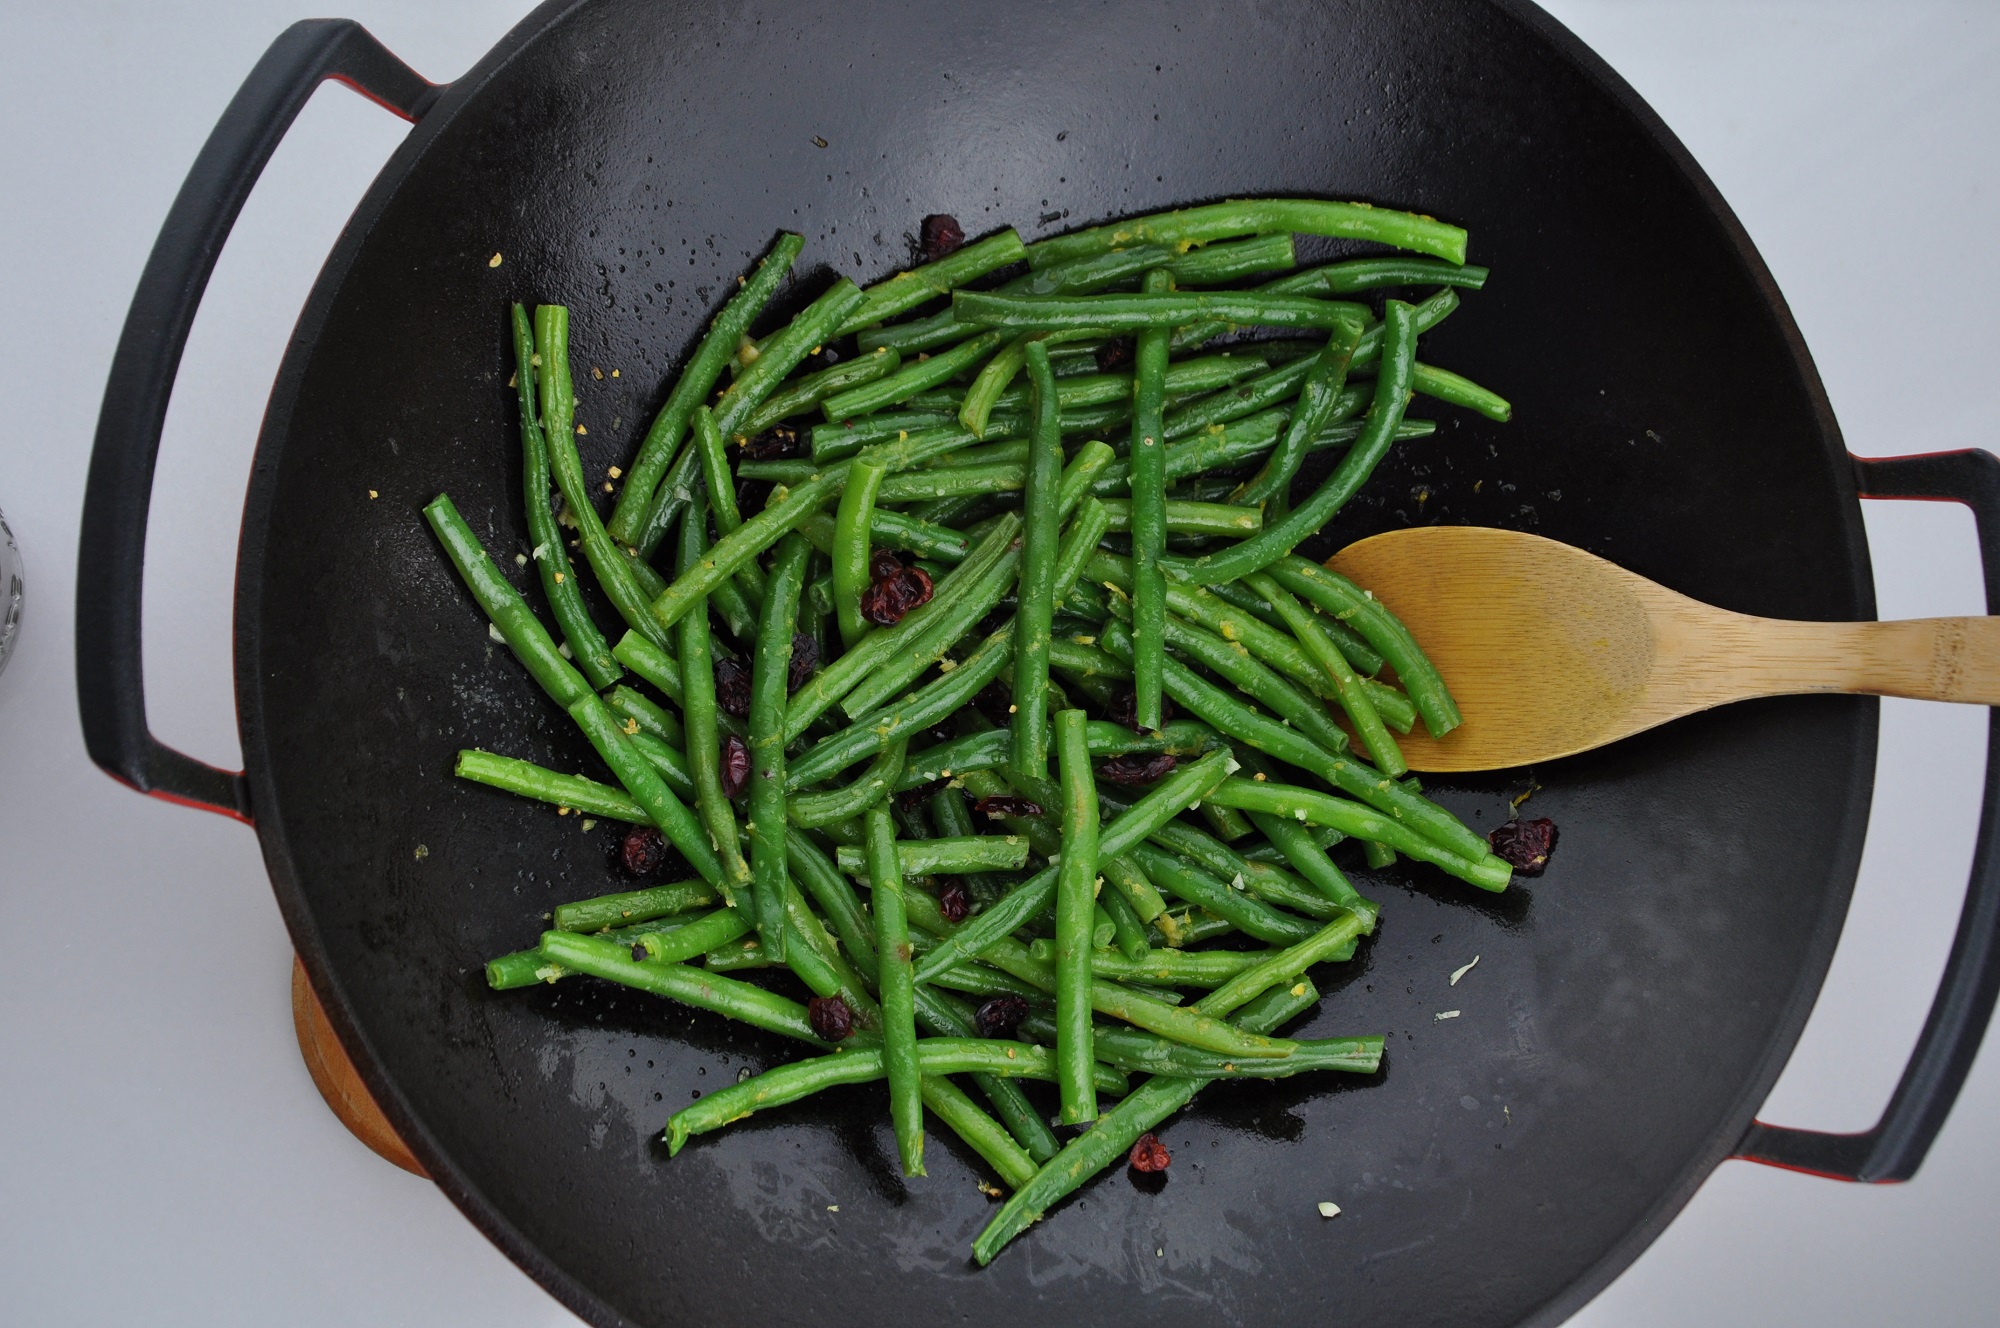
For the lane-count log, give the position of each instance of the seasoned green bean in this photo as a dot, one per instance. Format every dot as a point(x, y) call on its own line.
point(899, 1018)
point(801, 395)
point(1189, 227)
point(935, 857)
point(1128, 313)
point(769, 682)
point(912, 286)
point(1076, 892)
point(1041, 537)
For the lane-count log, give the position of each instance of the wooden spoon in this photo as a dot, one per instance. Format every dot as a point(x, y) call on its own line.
point(1550, 650)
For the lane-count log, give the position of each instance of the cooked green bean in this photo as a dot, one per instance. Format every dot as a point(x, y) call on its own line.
point(1349, 604)
point(942, 857)
point(1392, 393)
point(912, 286)
point(850, 548)
point(1118, 1129)
point(678, 982)
point(769, 682)
point(567, 792)
point(919, 710)
point(837, 442)
point(630, 906)
point(911, 379)
point(1487, 871)
point(559, 583)
point(656, 452)
point(780, 354)
point(1076, 892)
point(754, 536)
point(1307, 630)
point(899, 1026)
point(503, 605)
point(1319, 397)
point(809, 811)
point(669, 815)
point(1127, 313)
point(801, 395)
point(988, 750)
point(704, 724)
point(1189, 227)
point(1185, 880)
point(641, 655)
point(1295, 842)
point(1041, 537)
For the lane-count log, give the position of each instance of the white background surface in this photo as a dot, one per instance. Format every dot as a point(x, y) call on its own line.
point(165, 1159)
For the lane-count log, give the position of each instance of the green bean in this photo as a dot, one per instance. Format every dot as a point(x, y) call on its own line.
point(607, 561)
point(944, 1016)
point(559, 584)
point(834, 893)
point(707, 991)
point(1207, 968)
point(988, 750)
point(1142, 1053)
point(1187, 881)
point(1128, 930)
point(768, 691)
point(1208, 373)
point(977, 407)
point(697, 938)
point(850, 548)
point(855, 1065)
point(911, 379)
point(912, 286)
point(629, 518)
point(1367, 274)
point(1183, 518)
point(1266, 881)
point(667, 812)
point(1306, 629)
point(645, 658)
point(812, 810)
point(1359, 653)
point(1187, 1026)
point(1189, 227)
point(899, 1028)
point(1040, 548)
point(918, 334)
point(919, 710)
point(1284, 966)
point(1486, 871)
point(780, 354)
point(1076, 892)
point(503, 605)
point(1295, 843)
point(979, 584)
point(897, 531)
point(1131, 884)
point(649, 717)
point(1354, 778)
point(1126, 313)
point(1147, 517)
point(569, 792)
point(709, 447)
point(802, 394)
point(631, 906)
point(1226, 823)
point(1165, 800)
point(836, 442)
point(1392, 393)
point(947, 857)
point(1116, 1131)
point(704, 724)
point(1218, 263)
point(759, 533)
point(1457, 390)
point(1347, 603)
point(1319, 397)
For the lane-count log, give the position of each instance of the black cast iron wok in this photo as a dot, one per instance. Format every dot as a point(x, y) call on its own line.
point(1630, 1009)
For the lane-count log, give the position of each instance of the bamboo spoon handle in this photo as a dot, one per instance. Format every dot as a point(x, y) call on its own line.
point(1926, 659)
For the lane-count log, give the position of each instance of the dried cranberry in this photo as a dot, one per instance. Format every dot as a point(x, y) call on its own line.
point(1125, 710)
point(638, 953)
point(1526, 845)
point(778, 443)
point(830, 1017)
point(643, 851)
point(1114, 355)
point(1001, 1016)
point(1149, 1154)
point(732, 688)
point(1137, 767)
point(940, 235)
point(735, 766)
point(1006, 804)
point(805, 661)
point(885, 602)
point(883, 564)
point(954, 900)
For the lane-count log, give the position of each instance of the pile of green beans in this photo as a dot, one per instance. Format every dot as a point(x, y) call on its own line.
point(1073, 818)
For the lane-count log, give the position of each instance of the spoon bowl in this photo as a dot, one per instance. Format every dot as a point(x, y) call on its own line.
point(1551, 651)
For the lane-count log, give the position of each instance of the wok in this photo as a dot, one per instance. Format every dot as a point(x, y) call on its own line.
point(1630, 1009)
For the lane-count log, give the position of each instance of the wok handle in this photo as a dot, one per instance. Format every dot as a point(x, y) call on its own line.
point(110, 682)
point(1894, 1149)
